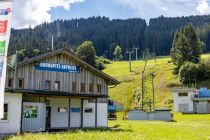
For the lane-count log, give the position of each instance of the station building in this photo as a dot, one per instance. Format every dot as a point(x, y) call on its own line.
point(191, 100)
point(56, 90)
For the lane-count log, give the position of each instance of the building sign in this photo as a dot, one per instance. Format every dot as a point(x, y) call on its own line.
point(5, 27)
point(2, 47)
point(57, 67)
point(1, 68)
point(76, 110)
point(5, 12)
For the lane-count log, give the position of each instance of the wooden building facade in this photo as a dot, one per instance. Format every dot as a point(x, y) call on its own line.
point(56, 89)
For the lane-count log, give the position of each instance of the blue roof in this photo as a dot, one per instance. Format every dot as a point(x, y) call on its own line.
point(204, 92)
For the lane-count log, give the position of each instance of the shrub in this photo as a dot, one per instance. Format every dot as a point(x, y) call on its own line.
point(100, 65)
point(101, 61)
point(190, 73)
point(104, 60)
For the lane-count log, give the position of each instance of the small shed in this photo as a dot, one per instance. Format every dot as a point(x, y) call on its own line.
point(158, 114)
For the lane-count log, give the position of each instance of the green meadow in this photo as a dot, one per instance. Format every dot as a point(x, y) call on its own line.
point(184, 127)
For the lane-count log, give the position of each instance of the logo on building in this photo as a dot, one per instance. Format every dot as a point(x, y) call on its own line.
point(2, 47)
point(5, 11)
point(57, 67)
point(3, 26)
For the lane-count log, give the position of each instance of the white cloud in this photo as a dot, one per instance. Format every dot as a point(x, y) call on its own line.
point(164, 8)
point(154, 8)
point(203, 7)
point(33, 12)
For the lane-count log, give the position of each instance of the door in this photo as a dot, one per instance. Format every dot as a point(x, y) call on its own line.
point(202, 107)
point(48, 117)
point(75, 112)
point(34, 117)
point(183, 108)
point(208, 107)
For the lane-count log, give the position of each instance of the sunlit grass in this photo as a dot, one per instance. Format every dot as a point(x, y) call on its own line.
point(131, 81)
point(185, 127)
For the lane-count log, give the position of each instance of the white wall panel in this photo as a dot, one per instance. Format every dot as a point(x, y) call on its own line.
point(102, 118)
point(12, 125)
point(75, 117)
point(59, 119)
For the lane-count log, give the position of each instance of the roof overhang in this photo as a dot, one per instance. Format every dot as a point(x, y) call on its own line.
point(201, 98)
point(55, 93)
point(184, 90)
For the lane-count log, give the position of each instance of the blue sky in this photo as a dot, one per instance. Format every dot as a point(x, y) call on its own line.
point(88, 8)
point(34, 12)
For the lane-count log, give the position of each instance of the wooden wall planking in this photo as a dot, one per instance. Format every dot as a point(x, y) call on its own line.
point(35, 79)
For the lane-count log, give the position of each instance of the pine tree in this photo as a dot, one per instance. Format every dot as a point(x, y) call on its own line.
point(118, 53)
point(87, 53)
point(186, 47)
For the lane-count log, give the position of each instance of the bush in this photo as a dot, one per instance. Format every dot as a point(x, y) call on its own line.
point(104, 60)
point(190, 73)
point(101, 61)
point(100, 65)
point(207, 71)
point(169, 103)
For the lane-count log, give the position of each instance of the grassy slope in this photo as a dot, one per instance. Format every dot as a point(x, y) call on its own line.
point(131, 81)
point(186, 127)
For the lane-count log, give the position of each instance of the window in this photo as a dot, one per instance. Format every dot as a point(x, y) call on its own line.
point(30, 111)
point(183, 94)
point(62, 109)
point(57, 85)
point(20, 83)
point(5, 117)
point(102, 100)
point(82, 87)
point(74, 86)
point(88, 110)
point(91, 100)
point(91, 88)
point(99, 88)
point(10, 82)
point(47, 85)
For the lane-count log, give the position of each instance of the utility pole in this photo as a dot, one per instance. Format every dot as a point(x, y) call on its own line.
point(15, 71)
point(130, 53)
point(136, 49)
point(155, 53)
point(142, 90)
point(142, 82)
point(52, 45)
point(153, 90)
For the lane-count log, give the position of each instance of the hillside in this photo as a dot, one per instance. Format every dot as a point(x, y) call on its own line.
point(131, 81)
point(106, 34)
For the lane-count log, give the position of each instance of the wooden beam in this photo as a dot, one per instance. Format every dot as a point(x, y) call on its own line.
point(82, 113)
point(96, 113)
point(69, 114)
